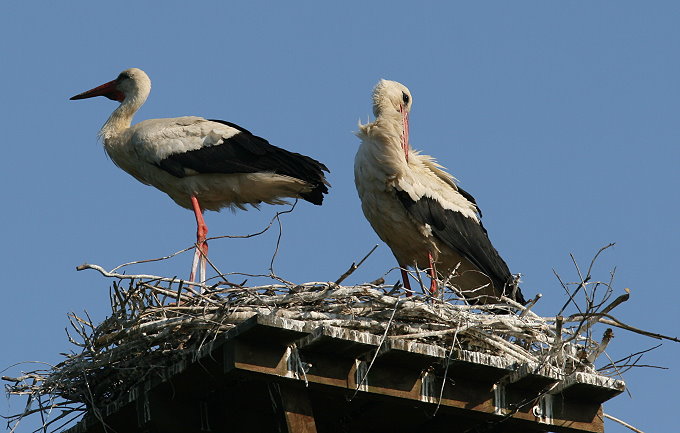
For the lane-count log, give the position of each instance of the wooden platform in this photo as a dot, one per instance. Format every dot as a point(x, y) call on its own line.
point(270, 374)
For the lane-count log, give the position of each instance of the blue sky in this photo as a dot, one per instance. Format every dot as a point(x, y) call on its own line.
point(559, 117)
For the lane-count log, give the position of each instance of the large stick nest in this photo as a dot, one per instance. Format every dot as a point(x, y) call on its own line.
point(157, 321)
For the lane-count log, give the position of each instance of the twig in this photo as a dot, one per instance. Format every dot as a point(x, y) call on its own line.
point(130, 276)
point(615, 322)
point(446, 370)
point(158, 259)
point(377, 351)
point(584, 281)
point(570, 295)
point(278, 239)
point(353, 267)
point(623, 423)
point(530, 304)
point(629, 357)
point(590, 319)
point(250, 235)
point(606, 338)
point(592, 262)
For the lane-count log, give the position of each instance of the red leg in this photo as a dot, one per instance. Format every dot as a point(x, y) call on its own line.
point(407, 284)
point(201, 244)
point(433, 275)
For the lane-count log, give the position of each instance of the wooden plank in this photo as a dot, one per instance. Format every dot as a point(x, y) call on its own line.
point(297, 409)
point(531, 377)
point(410, 354)
point(490, 368)
point(589, 387)
point(468, 388)
point(276, 330)
point(338, 341)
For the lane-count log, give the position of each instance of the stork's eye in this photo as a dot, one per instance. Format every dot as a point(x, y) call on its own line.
point(123, 76)
point(405, 97)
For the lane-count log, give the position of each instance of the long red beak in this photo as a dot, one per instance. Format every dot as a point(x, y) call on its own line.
point(107, 89)
point(404, 136)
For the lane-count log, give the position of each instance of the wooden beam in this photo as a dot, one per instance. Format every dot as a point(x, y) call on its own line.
point(297, 409)
point(466, 391)
point(354, 381)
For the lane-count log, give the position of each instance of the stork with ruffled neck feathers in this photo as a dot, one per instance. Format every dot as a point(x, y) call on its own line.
point(419, 211)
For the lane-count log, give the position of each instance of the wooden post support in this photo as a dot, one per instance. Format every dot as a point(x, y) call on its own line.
point(271, 361)
point(297, 409)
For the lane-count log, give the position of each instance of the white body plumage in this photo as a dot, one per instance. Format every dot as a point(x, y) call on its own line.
point(140, 149)
point(417, 209)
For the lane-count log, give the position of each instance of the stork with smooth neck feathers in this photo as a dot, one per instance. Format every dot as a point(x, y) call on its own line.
point(202, 164)
point(419, 211)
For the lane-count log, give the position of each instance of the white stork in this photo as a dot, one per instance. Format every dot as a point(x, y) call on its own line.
point(201, 164)
point(419, 211)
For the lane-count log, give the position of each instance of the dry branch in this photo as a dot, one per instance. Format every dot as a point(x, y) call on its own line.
point(623, 423)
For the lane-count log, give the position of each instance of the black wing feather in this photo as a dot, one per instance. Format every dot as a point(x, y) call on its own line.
point(247, 153)
point(472, 200)
point(463, 235)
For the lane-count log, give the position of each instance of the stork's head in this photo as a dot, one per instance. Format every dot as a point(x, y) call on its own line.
point(393, 98)
point(131, 84)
